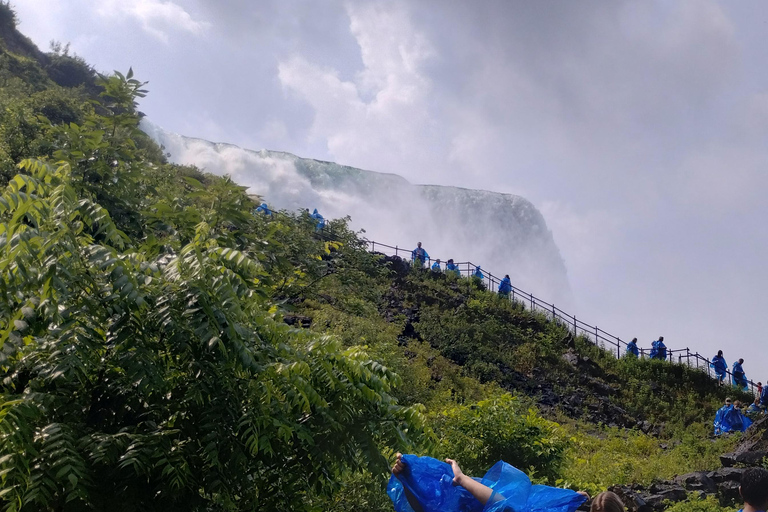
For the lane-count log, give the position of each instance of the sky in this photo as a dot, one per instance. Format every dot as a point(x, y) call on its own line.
point(637, 128)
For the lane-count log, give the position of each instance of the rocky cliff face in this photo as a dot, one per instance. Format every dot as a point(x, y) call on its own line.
point(501, 232)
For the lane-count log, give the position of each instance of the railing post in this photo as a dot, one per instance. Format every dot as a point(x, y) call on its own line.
point(513, 295)
point(395, 250)
point(688, 355)
point(575, 329)
point(553, 313)
point(596, 335)
point(373, 246)
point(642, 353)
point(532, 306)
point(618, 348)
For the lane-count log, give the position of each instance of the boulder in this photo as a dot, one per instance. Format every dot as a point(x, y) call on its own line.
point(697, 481)
point(674, 494)
point(729, 492)
point(726, 475)
point(747, 458)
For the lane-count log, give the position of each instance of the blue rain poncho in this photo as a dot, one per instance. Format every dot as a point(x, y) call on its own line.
point(320, 220)
point(753, 411)
point(764, 396)
point(658, 350)
point(263, 208)
point(436, 267)
point(478, 273)
point(431, 483)
point(720, 366)
point(419, 255)
point(730, 419)
point(632, 349)
point(452, 267)
point(739, 378)
point(505, 286)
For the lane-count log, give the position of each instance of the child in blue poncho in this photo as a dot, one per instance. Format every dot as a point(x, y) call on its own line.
point(424, 484)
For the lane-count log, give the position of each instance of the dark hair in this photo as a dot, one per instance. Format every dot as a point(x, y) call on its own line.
point(720, 353)
point(607, 502)
point(754, 487)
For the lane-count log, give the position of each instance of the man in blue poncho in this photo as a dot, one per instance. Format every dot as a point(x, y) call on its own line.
point(659, 349)
point(478, 273)
point(320, 220)
point(720, 366)
point(436, 266)
point(419, 256)
point(451, 267)
point(739, 378)
point(263, 208)
point(424, 484)
point(632, 350)
point(505, 286)
point(754, 410)
point(764, 396)
point(720, 414)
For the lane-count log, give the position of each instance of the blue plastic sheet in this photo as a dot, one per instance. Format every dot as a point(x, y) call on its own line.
point(431, 483)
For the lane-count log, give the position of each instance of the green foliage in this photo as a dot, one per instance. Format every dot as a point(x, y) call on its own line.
point(502, 428)
point(616, 457)
point(696, 504)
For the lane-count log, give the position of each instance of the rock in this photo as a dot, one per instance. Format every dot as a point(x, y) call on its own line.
point(747, 458)
point(571, 358)
point(726, 474)
point(646, 426)
point(698, 481)
point(673, 495)
point(631, 499)
point(729, 492)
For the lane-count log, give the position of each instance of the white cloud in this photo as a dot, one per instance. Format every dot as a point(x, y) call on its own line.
point(156, 16)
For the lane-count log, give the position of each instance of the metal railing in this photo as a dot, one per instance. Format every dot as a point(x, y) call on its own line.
point(592, 333)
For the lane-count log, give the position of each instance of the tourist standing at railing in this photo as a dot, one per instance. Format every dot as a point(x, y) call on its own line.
point(478, 273)
point(436, 266)
point(450, 266)
point(720, 366)
point(263, 208)
point(764, 397)
point(632, 350)
point(505, 286)
point(659, 349)
point(419, 256)
point(320, 220)
point(739, 377)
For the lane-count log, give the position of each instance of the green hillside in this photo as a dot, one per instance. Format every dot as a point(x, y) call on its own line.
point(163, 348)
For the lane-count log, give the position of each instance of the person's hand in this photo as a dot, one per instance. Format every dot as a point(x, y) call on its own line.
point(399, 467)
point(583, 493)
point(458, 475)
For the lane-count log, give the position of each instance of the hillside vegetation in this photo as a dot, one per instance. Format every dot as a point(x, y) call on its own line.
point(162, 348)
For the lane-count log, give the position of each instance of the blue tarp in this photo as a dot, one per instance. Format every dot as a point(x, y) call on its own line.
point(431, 483)
point(730, 419)
point(720, 366)
point(632, 349)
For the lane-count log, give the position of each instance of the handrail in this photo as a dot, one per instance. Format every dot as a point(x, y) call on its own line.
point(573, 324)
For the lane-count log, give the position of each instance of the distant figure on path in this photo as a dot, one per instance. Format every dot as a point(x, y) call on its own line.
point(436, 266)
point(263, 208)
point(764, 397)
point(478, 273)
point(450, 266)
point(419, 256)
point(632, 350)
point(759, 389)
point(739, 377)
point(720, 366)
point(320, 220)
point(659, 349)
point(505, 286)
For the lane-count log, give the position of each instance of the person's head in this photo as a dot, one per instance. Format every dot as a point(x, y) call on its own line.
point(450, 261)
point(741, 361)
point(720, 353)
point(754, 487)
point(437, 260)
point(759, 383)
point(506, 276)
point(736, 404)
point(661, 338)
point(634, 340)
point(727, 401)
point(418, 244)
point(606, 502)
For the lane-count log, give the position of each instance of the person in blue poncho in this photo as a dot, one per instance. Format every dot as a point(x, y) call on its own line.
point(720, 366)
point(320, 220)
point(505, 286)
point(731, 419)
point(419, 256)
point(478, 273)
point(632, 350)
point(754, 410)
point(720, 414)
point(424, 484)
point(764, 396)
point(263, 208)
point(436, 266)
point(739, 378)
point(659, 349)
point(451, 267)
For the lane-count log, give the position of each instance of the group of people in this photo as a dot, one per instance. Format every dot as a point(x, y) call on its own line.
point(658, 349)
point(263, 209)
point(419, 257)
point(738, 377)
point(424, 484)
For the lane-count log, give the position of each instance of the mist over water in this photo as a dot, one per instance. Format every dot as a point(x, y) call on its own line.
point(503, 233)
